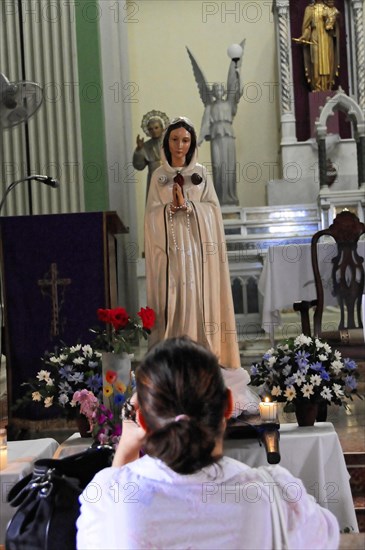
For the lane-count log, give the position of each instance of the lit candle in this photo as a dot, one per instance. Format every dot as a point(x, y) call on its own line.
point(3, 450)
point(268, 410)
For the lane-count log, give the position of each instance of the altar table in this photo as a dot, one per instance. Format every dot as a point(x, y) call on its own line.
point(287, 277)
point(313, 454)
point(21, 457)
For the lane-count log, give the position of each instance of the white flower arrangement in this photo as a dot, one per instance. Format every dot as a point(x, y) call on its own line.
point(69, 370)
point(305, 369)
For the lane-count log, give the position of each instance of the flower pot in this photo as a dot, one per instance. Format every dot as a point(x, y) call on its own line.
point(120, 363)
point(83, 425)
point(306, 413)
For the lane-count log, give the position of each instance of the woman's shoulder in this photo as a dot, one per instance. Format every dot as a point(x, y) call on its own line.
point(280, 475)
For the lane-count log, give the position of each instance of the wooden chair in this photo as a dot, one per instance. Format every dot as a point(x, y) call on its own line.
point(347, 286)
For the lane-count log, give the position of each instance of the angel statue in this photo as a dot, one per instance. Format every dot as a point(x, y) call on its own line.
point(220, 109)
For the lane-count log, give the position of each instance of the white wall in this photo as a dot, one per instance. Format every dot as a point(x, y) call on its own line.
point(161, 77)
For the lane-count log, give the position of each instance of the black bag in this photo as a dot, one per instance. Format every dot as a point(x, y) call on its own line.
point(48, 501)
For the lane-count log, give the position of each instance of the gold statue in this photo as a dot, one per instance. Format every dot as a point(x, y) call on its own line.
point(321, 44)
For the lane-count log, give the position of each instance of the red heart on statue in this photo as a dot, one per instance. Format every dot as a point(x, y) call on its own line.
point(179, 178)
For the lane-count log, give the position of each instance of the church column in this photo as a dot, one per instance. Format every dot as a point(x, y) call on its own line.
point(361, 160)
point(118, 88)
point(360, 145)
point(358, 18)
point(281, 11)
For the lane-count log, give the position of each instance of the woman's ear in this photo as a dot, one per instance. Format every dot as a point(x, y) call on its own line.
point(140, 419)
point(230, 405)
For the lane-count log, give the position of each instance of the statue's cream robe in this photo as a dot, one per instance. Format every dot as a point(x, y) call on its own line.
point(188, 282)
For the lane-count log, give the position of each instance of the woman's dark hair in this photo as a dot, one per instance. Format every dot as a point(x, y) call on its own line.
point(181, 123)
point(179, 377)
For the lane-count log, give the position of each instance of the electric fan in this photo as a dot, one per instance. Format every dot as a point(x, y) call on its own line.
point(18, 101)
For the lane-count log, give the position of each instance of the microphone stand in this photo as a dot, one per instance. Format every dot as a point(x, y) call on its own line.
point(44, 179)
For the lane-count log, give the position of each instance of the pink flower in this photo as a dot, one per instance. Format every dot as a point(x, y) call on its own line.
point(102, 418)
point(88, 402)
point(117, 430)
point(102, 438)
point(83, 395)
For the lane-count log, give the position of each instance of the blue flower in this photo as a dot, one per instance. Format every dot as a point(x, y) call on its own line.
point(286, 370)
point(94, 383)
point(349, 363)
point(316, 366)
point(303, 369)
point(76, 377)
point(351, 382)
point(301, 358)
point(65, 371)
point(254, 370)
point(65, 387)
point(324, 375)
point(290, 381)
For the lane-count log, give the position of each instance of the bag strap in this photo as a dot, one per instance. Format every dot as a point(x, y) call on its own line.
point(17, 490)
point(279, 527)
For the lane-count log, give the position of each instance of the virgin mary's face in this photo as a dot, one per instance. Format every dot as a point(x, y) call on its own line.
point(179, 145)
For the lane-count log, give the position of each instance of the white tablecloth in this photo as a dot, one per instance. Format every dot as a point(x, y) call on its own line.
point(21, 457)
point(314, 455)
point(73, 445)
point(287, 277)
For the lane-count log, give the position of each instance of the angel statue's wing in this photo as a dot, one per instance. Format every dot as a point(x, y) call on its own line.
point(234, 91)
point(204, 91)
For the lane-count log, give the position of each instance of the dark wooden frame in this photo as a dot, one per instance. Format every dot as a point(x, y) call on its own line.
point(348, 286)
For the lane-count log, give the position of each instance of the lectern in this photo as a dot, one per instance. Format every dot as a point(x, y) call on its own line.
point(57, 271)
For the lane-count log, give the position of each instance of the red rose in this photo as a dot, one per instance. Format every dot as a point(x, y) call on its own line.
point(104, 315)
point(119, 317)
point(148, 317)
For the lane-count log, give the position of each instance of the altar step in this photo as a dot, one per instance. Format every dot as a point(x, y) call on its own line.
point(356, 467)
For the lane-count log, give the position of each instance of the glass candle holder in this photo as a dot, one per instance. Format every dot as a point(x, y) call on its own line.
point(3, 449)
point(268, 411)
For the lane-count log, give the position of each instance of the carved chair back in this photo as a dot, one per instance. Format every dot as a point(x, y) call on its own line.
point(347, 274)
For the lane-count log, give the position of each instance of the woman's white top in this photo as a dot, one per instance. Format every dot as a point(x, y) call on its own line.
point(146, 505)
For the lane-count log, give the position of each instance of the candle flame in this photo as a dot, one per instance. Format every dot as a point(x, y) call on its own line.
point(267, 400)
